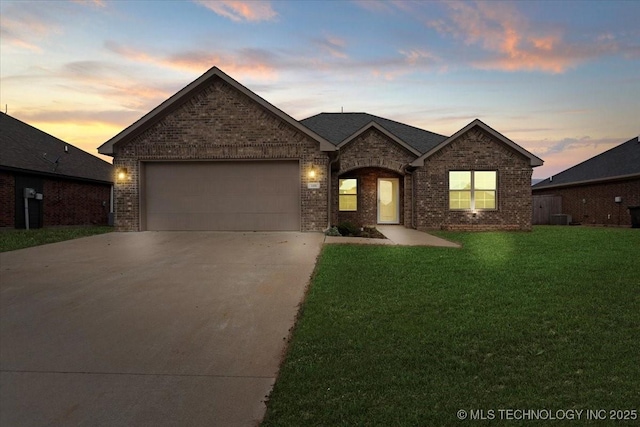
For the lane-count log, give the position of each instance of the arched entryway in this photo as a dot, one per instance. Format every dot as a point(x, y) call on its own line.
point(368, 196)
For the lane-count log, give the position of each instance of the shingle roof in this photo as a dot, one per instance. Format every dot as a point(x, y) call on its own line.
point(622, 160)
point(337, 127)
point(23, 147)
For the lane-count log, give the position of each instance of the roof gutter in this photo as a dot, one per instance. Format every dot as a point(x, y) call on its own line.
point(54, 175)
point(588, 181)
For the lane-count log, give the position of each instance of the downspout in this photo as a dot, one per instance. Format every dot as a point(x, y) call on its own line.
point(329, 183)
point(111, 215)
point(409, 170)
point(26, 211)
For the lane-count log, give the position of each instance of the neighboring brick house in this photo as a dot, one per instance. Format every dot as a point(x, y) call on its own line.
point(72, 186)
point(598, 190)
point(216, 156)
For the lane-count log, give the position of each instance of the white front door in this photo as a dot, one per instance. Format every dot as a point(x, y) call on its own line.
point(388, 201)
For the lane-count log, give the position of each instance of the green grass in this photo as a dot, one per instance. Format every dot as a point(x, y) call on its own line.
point(10, 240)
point(407, 336)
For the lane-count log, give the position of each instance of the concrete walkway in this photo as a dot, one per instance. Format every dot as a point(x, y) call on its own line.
point(396, 235)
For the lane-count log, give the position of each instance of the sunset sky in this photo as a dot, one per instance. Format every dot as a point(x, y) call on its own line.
point(562, 79)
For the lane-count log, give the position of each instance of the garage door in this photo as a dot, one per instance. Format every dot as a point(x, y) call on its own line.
point(241, 196)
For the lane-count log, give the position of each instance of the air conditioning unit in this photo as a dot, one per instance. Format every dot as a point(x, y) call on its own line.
point(560, 219)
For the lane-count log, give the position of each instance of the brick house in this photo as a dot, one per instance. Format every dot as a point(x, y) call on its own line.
point(216, 156)
point(71, 187)
point(599, 190)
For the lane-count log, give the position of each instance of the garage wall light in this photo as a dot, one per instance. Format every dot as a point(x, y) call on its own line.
point(122, 174)
point(312, 172)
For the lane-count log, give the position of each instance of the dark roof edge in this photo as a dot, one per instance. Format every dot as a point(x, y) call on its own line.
point(175, 100)
point(54, 175)
point(585, 182)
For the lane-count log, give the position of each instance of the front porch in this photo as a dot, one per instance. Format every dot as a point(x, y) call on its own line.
point(370, 196)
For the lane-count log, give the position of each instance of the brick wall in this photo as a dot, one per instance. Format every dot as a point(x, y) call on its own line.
point(67, 202)
point(374, 149)
point(370, 156)
point(7, 199)
point(595, 204)
point(220, 123)
point(474, 150)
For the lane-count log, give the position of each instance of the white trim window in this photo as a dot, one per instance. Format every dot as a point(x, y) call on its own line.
point(348, 195)
point(473, 190)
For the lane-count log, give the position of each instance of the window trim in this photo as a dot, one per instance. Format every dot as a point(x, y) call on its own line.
point(348, 195)
point(472, 190)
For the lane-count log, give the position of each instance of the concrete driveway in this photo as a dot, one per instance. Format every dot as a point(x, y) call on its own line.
point(152, 328)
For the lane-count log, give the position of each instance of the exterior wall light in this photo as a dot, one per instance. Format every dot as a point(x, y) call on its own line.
point(122, 174)
point(312, 172)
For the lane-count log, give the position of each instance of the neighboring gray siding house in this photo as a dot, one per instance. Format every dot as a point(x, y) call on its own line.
point(216, 156)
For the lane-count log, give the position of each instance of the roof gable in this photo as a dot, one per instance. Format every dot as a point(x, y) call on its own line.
point(26, 148)
point(618, 162)
point(191, 90)
point(376, 126)
point(340, 127)
point(533, 159)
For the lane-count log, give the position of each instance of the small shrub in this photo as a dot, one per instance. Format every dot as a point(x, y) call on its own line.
point(347, 228)
point(333, 231)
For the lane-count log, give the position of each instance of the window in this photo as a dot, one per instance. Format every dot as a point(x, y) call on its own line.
point(348, 195)
point(472, 190)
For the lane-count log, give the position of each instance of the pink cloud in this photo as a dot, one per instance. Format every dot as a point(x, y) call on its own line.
point(79, 117)
point(108, 82)
point(24, 27)
point(512, 42)
point(247, 63)
point(22, 44)
point(562, 154)
point(238, 64)
point(97, 3)
point(237, 11)
point(408, 62)
point(385, 6)
point(130, 53)
point(419, 56)
point(334, 46)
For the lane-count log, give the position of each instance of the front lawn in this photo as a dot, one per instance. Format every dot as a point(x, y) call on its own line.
point(408, 336)
point(10, 240)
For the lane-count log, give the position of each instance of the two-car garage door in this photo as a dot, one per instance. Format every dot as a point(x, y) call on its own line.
point(223, 195)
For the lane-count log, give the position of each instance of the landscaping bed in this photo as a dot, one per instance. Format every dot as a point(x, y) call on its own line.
point(347, 229)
